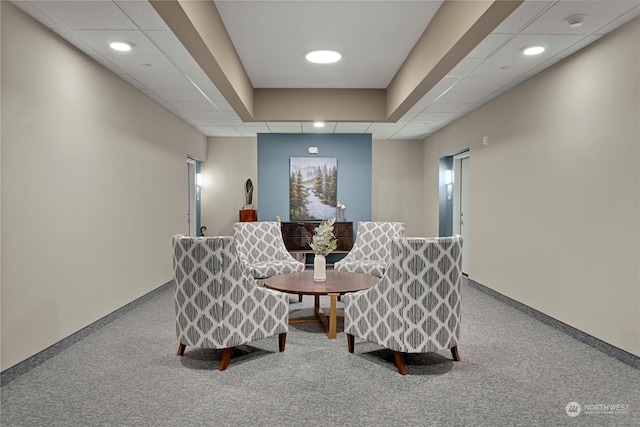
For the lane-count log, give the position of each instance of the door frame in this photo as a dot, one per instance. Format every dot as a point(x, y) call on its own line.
point(191, 198)
point(458, 180)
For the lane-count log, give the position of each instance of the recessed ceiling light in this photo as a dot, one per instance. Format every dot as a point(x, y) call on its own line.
point(574, 21)
point(121, 46)
point(533, 50)
point(318, 124)
point(323, 57)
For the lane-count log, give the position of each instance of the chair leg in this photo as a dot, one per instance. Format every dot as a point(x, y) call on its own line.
point(350, 342)
point(282, 341)
point(455, 354)
point(300, 298)
point(181, 348)
point(226, 357)
point(400, 362)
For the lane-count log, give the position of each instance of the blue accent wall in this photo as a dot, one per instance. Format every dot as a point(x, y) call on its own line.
point(353, 152)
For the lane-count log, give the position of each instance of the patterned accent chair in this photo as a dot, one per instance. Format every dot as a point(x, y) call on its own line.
point(371, 251)
point(415, 308)
point(261, 249)
point(217, 304)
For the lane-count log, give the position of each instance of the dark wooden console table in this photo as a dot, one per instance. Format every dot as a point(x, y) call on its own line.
point(296, 236)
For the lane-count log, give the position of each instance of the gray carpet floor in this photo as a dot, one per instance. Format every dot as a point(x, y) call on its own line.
point(515, 371)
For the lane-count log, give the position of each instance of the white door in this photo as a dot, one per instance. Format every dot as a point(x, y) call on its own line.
point(461, 212)
point(191, 191)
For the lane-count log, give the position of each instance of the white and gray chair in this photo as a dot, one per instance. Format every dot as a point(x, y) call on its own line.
point(371, 251)
point(261, 249)
point(217, 304)
point(415, 307)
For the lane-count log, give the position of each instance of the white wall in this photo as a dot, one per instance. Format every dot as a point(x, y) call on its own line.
point(230, 161)
point(555, 196)
point(396, 175)
point(93, 187)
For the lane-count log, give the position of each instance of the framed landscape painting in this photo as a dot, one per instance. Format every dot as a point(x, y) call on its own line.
point(313, 188)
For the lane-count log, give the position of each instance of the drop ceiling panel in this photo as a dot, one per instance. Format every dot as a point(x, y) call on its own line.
point(553, 20)
point(168, 43)
point(489, 45)
point(284, 127)
point(96, 15)
point(143, 14)
point(204, 84)
point(190, 106)
point(144, 64)
point(210, 115)
point(410, 133)
point(76, 41)
point(165, 81)
point(434, 117)
point(352, 127)
point(510, 61)
point(481, 84)
point(522, 16)
point(189, 66)
point(465, 66)
point(109, 65)
point(579, 45)
point(447, 108)
point(607, 28)
point(99, 40)
point(458, 97)
point(133, 81)
point(41, 17)
point(309, 128)
point(180, 95)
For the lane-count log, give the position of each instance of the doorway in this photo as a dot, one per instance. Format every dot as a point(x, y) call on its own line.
point(461, 213)
point(191, 199)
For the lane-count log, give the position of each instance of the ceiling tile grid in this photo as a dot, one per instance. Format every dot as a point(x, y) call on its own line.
point(376, 35)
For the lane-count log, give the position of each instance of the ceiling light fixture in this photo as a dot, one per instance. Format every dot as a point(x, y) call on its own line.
point(318, 124)
point(534, 50)
point(120, 46)
point(574, 21)
point(323, 57)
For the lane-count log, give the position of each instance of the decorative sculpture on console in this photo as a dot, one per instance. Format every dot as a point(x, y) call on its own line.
point(248, 213)
point(248, 194)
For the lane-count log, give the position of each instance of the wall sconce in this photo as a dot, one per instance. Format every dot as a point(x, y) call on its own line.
point(199, 181)
point(448, 181)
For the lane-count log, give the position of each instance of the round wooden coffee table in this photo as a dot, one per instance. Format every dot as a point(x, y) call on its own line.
point(337, 283)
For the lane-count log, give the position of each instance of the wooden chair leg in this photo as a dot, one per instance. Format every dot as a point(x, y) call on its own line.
point(300, 298)
point(455, 354)
point(400, 362)
point(350, 342)
point(282, 341)
point(181, 348)
point(226, 357)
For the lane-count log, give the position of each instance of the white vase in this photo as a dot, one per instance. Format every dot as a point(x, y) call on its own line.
point(319, 268)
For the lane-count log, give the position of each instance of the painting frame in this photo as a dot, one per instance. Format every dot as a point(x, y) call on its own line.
point(313, 188)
